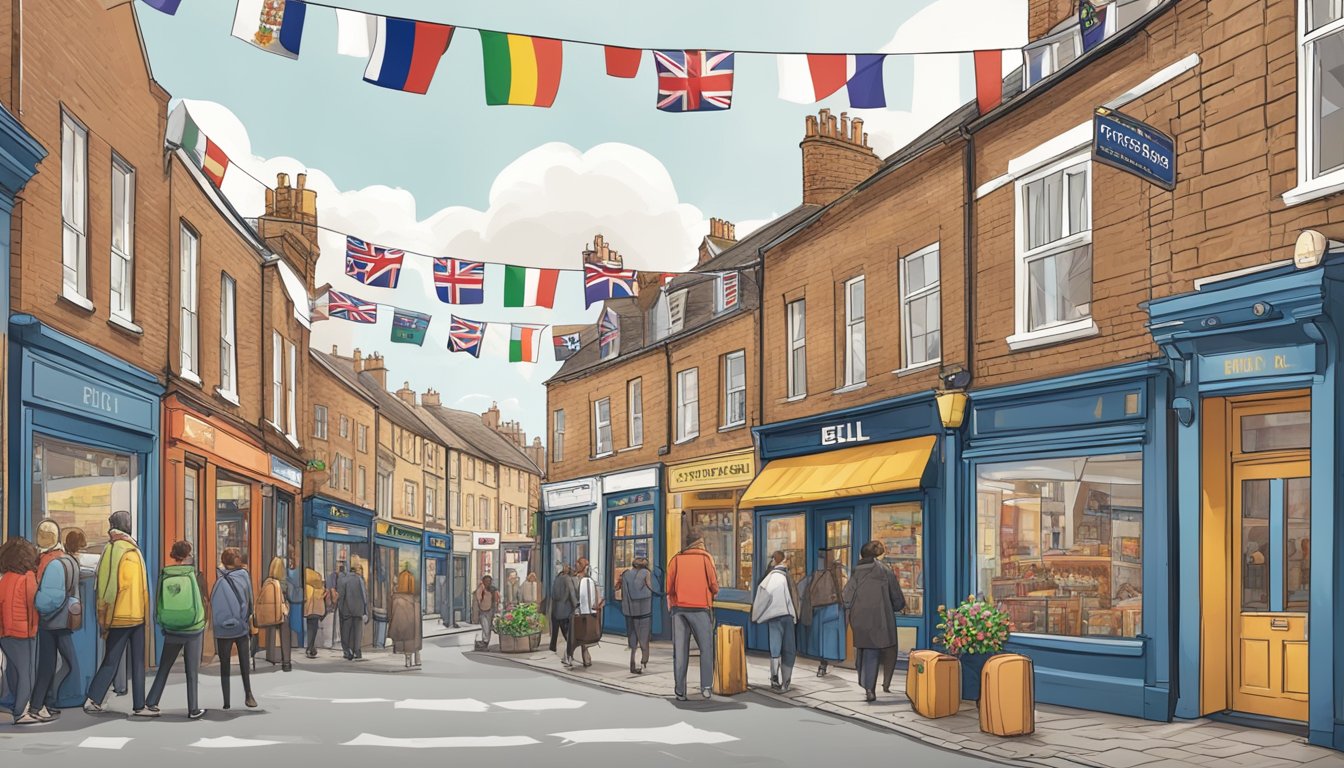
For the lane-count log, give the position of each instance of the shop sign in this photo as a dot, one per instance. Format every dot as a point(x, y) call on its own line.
point(438, 543)
point(337, 512)
point(629, 500)
point(1079, 408)
point(731, 471)
point(394, 531)
point(286, 472)
point(1122, 142)
point(1276, 361)
point(485, 541)
point(74, 392)
point(899, 421)
point(197, 431)
point(840, 434)
point(337, 529)
point(569, 495)
point(631, 480)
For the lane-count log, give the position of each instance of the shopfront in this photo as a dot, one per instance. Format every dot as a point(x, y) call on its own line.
point(459, 578)
point(835, 481)
point(1257, 420)
point(569, 512)
point(485, 559)
point(437, 552)
point(631, 526)
point(705, 495)
point(1067, 483)
point(84, 443)
point(336, 536)
point(397, 552)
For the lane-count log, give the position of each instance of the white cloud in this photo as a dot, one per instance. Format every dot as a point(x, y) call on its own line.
point(478, 403)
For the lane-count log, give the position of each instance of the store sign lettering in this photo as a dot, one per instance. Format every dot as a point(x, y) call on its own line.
point(438, 543)
point(1269, 362)
point(103, 401)
point(397, 532)
point(839, 434)
point(335, 512)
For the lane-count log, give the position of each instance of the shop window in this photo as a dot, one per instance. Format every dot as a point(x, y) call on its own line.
point(1276, 432)
point(1060, 543)
point(632, 537)
point(900, 528)
point(688, 404)
point(735, 389)
point(569, 541)
point(233, 507)
point(1054, 272)
point(558, 436)
point(80, 487)
point(320, 422)
point(1321, 81)
point(856, 342)
point(635, 406)
point(228, 336)
point(122, 270)
point(727, 532)
point(796, 360)
point(431, 604)
point(191, 499)
point(787, 534)
point(74, 210)
point(189, 332)
point(921, 308)
point(602, 427)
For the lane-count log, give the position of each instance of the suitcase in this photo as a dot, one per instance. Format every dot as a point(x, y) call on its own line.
point(1007, 696)
point(933, 683)
point(730, 661)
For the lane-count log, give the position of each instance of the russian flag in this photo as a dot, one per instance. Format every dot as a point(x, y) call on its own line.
point(808, 78)
point(406, 53)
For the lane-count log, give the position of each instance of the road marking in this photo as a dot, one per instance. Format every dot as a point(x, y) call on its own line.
point(359, 701)
point(443, 705)
point(105, 742)
point(538, 705)
point(681, 733)
point(440, 742)
point(231, 742)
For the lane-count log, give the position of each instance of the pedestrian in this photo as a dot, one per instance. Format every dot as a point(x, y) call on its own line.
point(872, 599)
point(122, 607)
point(314, 608)
point(692, 584)
point(531, 590)
point(272, 613)
point(181, 616)
point(333, 620)
point(776, 607)
point(564, 598)
point(404, 626)
point(585, 626)
point(19, 624)
point(513, 590)
point(637, 605)
point(57, 598)
point(484, 605)
point(823, 617)
point(294, 592)
point(352, 605)
point(231, 607)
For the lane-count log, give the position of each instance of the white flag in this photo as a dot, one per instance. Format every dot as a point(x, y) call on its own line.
point(275, 26)
point(355, 32)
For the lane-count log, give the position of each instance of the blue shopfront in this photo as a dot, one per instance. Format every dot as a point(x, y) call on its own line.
point(396, 567)
point(632, 528)
point(837, 480)
point(336, 535)
point(1254, 358)
point(438, 548)
point(84, 437)
point(1068, 530)
point(569, 512)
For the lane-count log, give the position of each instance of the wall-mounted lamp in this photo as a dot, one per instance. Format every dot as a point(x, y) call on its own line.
point(952, 408)
point(1310, 249)
point(1184, 410)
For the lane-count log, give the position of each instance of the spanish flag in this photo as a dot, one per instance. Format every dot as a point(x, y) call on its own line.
point(214, 163)
point(520, 70)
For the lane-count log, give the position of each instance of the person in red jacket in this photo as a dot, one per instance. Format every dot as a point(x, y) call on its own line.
point(18, 623)
point(692, 584)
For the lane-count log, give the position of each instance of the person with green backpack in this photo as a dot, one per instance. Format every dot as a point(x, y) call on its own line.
point(181, 616)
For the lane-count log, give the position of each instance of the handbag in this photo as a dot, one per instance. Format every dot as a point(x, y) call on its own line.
point(587, 629)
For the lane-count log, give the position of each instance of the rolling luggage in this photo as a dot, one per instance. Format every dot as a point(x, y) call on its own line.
point(933, 683)
point(730, 661)
point(1007, 696)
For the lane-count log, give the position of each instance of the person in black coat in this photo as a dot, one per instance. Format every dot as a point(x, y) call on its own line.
point(564, 599)
point(872, 599)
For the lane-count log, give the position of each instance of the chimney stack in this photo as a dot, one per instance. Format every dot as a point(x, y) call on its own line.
point(407, 395)
point(373, 365)
point(836, 156)
point(358, 360)
point(491, 417)
point(430, 399)
point(722, 234)
point(600, 252)
point(292, 210)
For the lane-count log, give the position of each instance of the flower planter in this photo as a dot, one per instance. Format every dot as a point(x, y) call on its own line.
point(523, 644)
point(972, 664)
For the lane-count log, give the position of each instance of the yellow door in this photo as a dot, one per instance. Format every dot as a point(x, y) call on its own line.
point(1271, 581)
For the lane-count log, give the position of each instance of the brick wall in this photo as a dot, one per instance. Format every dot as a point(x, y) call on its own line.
point(836, 156)
point(576, 397)
point(328, 390)
point(1043, 15)
point(705, 351)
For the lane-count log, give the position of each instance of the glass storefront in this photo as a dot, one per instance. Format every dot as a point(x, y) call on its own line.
point(788, 534)
point(431, 585)
point(727, 533)
point(327, 557)
point(632, 537)
point(1060, 543)
point(569, 541)
point(393, 564)
point(80, 487)
point(900, 528)
point(233, 505)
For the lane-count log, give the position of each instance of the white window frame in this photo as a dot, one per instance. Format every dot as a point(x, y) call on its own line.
point(362, 438)
point(600, 447)
point(383, 493)
point(504, 513)
point(796, 379)
point(688, 404)
point(676, 312)
point(909, 297)
point(730, 393)
point(721, 291)
point(189, 323)
point(291, 399)
point(1060, 332)
point(410, 492)
point(75, 211)
point(320, 421)
point(277, 380)
point(634, 400)
point(558, 435)
point(122, 261)
point(853, 376)
point(1310, 185)
point(484, 517)
point(228, 338)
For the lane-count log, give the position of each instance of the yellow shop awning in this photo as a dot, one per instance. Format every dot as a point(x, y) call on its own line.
point(861, 471)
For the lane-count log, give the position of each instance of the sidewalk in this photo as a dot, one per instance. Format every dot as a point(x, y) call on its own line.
point(1064, 737)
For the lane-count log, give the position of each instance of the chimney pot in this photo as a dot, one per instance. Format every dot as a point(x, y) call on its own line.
point(857, 130)
point(810, 125)
point(335, 349)
point(281, 180)
point(302, 179)
point(844, 126)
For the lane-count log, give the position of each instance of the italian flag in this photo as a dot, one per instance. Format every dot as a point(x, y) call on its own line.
point(525, 343)
point(188, 135)
point(527, 287)
point(520, 69)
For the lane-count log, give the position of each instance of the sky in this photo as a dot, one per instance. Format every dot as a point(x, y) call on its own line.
point(445, 175)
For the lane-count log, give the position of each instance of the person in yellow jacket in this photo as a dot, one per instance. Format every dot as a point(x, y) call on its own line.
point(314, 608)
point(272, 613)
point(122, 606)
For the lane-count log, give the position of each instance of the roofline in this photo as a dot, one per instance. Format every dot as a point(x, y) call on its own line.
point(222, 205)
point(526, 463)
point(321, 358)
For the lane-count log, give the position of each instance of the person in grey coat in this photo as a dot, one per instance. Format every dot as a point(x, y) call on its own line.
point(872, 599)
point(352, 603)
point(564, 599)
point(637, 605)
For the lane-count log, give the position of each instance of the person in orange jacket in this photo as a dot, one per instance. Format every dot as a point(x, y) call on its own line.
point(18, 623)
point(692, 584)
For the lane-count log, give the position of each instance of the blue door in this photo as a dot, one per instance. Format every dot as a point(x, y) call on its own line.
point(632, 536)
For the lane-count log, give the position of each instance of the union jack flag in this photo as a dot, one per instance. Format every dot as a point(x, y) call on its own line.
point(608, 334)
point(465, 336)
point(459, 282)
point(348, 307)
point(694, 81)
point(602, 282)
point(372, 264)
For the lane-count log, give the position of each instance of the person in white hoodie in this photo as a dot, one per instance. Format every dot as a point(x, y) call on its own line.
point(776, 607)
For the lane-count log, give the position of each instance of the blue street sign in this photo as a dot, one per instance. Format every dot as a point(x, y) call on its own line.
point(1125, 143)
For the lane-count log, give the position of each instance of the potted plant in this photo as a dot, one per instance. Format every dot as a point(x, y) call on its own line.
point(519, 629)
point(973, 631)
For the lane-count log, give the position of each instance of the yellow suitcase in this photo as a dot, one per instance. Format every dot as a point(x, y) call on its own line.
point(1007, 696)
point(730, 661)
point(933, 683)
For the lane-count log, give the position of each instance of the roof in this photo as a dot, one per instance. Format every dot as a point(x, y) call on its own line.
point(344, 370)
point(473, 430)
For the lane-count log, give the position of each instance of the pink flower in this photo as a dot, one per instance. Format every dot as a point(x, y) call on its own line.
point(508, 617)
point(979, 635)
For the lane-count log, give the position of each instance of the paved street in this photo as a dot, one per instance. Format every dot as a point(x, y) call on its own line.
point(478, 711)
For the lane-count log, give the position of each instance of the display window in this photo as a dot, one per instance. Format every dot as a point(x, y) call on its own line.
point(233, 507)
point(569, 541)
point(632, 538)
point(788, 534)
point(900, 528)
point(80, 487)
point(727, 532)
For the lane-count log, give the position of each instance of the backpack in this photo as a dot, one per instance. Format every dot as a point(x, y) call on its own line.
point(272, 607)
point(824, 590)
point(230, 616)
point(180, 605)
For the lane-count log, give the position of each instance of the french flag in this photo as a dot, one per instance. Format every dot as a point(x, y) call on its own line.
point(406, 53)
point(809, 78)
